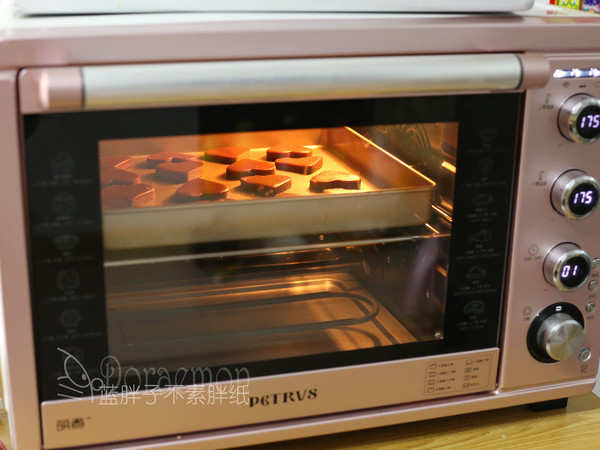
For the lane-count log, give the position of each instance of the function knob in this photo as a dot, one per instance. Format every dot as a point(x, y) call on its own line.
point(560, 336)
point(575, 194)
point(567, 267)
point(556, 333)
point(579, 119)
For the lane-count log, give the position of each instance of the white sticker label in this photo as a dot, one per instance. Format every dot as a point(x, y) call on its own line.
point(457, 375)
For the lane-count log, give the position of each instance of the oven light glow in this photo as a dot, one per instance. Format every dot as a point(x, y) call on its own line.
point(441, 270)
point(432, 229)
point(449, 167)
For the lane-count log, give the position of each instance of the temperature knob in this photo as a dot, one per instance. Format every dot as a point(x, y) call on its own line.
point(556, 333)
point(567, 267)
point(575, 194)
point(579, 119)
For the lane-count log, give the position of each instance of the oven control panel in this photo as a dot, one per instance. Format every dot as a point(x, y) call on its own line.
point(552, 329)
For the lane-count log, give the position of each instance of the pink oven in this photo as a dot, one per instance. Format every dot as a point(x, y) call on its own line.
point(225, 229)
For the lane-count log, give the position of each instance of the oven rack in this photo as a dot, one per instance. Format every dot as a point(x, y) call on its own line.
point(298, 315)
point(366, 305)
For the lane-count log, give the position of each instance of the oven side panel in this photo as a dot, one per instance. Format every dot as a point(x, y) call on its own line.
point(538, 228)
point(18, 360)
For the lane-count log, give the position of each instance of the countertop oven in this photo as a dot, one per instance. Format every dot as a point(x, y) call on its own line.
point(224, 229)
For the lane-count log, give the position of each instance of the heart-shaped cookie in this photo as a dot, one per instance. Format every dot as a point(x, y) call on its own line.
point(115, 162)
point(225, 155)
point(334, 180)
point(133, 196)
point(166, 157)
point(287, 151)
point(305, 166)
point(248, 167)
point(109, 177)
point(266, 185)
point(199, 189)
point(179, 172)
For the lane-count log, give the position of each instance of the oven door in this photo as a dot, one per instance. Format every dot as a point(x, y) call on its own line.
point(230, 256)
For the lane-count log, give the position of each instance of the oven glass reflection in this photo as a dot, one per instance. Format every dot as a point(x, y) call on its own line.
point(228, 249)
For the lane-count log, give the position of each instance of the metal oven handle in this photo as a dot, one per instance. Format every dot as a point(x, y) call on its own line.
point(254, 81)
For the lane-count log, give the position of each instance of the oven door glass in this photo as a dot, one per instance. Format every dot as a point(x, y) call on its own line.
point(275, 238)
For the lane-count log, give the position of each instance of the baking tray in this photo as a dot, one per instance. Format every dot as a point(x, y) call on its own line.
point(231, 323)
point(392, 194)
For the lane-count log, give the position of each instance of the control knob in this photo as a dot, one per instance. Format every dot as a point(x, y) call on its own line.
point(556, 333)
point(579, 118)
point(575, 194)
point(567, 267)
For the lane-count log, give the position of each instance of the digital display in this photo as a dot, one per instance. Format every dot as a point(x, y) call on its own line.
point(588, 122)
point(583, 199)
point(574, 272)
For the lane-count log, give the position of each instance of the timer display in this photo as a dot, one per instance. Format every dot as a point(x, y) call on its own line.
point(567, 267)
point(574, 271)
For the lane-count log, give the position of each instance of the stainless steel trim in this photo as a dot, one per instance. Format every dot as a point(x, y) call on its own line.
point(295, 79)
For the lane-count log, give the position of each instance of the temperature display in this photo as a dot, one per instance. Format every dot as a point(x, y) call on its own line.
point(575, 194)
point(579, 118)
point(588, 123)
point(583, 199)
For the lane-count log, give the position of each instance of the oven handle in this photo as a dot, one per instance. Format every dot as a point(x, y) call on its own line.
point(256, 81)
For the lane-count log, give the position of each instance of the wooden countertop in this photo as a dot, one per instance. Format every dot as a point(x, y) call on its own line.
point(518, 427)
point(4, 433)
point(576, 427)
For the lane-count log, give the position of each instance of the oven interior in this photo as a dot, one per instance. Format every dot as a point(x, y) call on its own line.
point(251, 278)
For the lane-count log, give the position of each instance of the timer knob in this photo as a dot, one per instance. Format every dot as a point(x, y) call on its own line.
point(567, 267)
point(579, 118)
point(560, 336)
point(575, 194)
